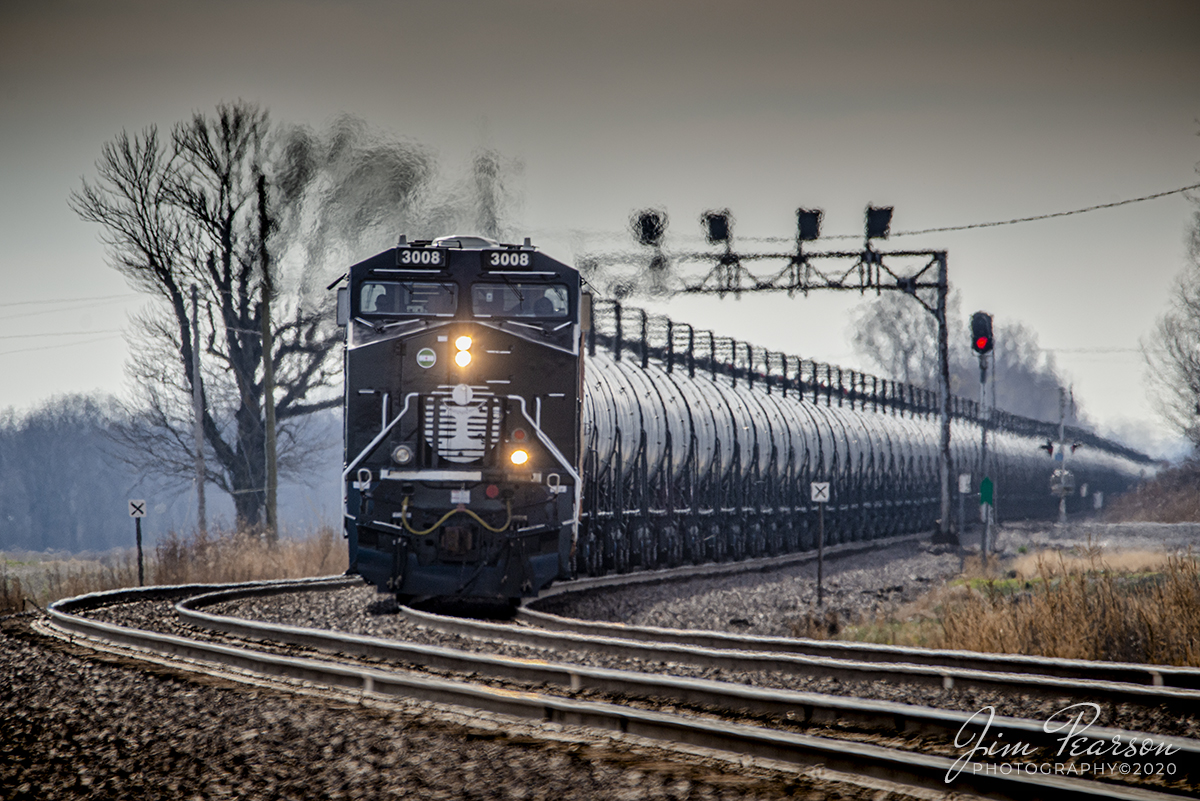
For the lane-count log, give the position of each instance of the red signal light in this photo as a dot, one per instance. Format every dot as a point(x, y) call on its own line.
point(981, 332)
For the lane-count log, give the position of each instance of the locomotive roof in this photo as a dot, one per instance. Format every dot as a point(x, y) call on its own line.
point(467, 257)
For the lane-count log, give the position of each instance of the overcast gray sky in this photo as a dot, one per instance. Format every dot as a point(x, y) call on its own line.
point(952, 112)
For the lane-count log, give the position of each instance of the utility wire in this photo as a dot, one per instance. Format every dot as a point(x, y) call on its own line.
point(67, 300)
point(1049, 216)
point(52, 347)
point(62, 334)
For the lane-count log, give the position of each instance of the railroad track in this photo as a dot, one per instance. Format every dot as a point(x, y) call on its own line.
point(761, 722)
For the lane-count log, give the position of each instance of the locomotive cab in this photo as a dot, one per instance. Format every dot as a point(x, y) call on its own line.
point(462, 366)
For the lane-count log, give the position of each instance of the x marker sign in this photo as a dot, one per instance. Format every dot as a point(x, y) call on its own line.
point(820, 491)
point(137, 508)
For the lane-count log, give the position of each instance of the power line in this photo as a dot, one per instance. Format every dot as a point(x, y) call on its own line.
point(68, 300)
point(1092, 350)
point(1052, 215)
point(52, 347)
point(61, 334)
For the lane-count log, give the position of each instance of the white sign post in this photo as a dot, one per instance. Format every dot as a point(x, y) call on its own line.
point(137, 510)
point(964, 486)
point(820, 496)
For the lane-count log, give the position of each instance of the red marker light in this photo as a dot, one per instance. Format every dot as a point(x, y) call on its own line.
point(518, 434)
point(492, 491)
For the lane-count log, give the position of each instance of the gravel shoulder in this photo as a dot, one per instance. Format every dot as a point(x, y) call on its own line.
point(81, 725)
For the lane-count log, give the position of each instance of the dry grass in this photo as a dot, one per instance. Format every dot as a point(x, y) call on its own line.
point(1085, 611)
point(226, 557)
point(1173, 496)
point(1125, 607)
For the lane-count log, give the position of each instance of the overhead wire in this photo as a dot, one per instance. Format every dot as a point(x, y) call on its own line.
point(61, 301)
point(1049, 216)
point(62, 345)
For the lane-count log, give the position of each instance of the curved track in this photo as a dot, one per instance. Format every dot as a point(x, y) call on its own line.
point(729, 717)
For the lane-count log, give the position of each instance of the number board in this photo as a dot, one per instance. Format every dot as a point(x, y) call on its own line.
point(507, 259)
point(421, 258)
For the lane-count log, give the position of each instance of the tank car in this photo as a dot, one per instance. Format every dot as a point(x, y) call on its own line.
point(462, 369)
point(698, 447)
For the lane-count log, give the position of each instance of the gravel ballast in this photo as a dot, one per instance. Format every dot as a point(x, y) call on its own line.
point(77, 725)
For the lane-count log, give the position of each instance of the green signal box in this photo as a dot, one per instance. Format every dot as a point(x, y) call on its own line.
point(986, 491)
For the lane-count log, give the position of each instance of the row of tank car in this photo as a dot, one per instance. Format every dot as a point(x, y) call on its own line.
point(698, 448)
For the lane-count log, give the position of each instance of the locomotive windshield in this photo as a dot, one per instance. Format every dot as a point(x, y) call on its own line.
point(402, 299)
point(517, 299)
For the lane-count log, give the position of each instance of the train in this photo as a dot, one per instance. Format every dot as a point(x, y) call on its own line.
point(505, 429)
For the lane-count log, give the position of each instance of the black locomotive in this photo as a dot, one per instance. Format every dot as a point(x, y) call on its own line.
point(462, 418)
point(502, 434)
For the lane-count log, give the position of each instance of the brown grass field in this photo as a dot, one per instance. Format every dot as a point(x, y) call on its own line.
point(1134, 606)
point(224, 557)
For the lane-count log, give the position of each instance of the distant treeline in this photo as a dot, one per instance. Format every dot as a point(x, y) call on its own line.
point(65, 484)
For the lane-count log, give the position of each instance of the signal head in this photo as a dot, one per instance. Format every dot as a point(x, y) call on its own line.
point(808, 224)
point(879, 222)
point(649, 226)
point(981, 332)
point(718, 226)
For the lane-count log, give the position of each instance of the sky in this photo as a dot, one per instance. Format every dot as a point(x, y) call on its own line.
point(953, 113)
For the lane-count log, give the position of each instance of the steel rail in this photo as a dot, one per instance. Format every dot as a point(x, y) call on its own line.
point(798, 749)
point(841, 668)
point(796, 706)
point(1123, 672)
point(761, 564)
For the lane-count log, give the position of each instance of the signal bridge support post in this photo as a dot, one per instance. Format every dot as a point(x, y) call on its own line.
point(944, 533)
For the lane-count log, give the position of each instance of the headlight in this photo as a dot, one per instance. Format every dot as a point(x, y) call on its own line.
point(402, 454)
point(463, 357)
point(519, 457)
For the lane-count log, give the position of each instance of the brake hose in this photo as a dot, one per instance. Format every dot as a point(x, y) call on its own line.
point(447, 516)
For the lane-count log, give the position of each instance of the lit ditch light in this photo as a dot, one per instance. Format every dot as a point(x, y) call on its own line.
point(463, 357)
point(519, 457)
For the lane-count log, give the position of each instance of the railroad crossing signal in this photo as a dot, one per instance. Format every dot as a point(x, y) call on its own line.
point(137, 508)
point(820, 491)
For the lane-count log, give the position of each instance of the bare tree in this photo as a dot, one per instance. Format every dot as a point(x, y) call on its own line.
point(900, 337)
point(1173, 351)
point(231, 204)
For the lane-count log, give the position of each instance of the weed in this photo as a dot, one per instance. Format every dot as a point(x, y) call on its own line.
point(1127, 606)
point(224, 557)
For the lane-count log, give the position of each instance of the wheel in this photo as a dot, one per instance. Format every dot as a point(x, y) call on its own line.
point(693, 543)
